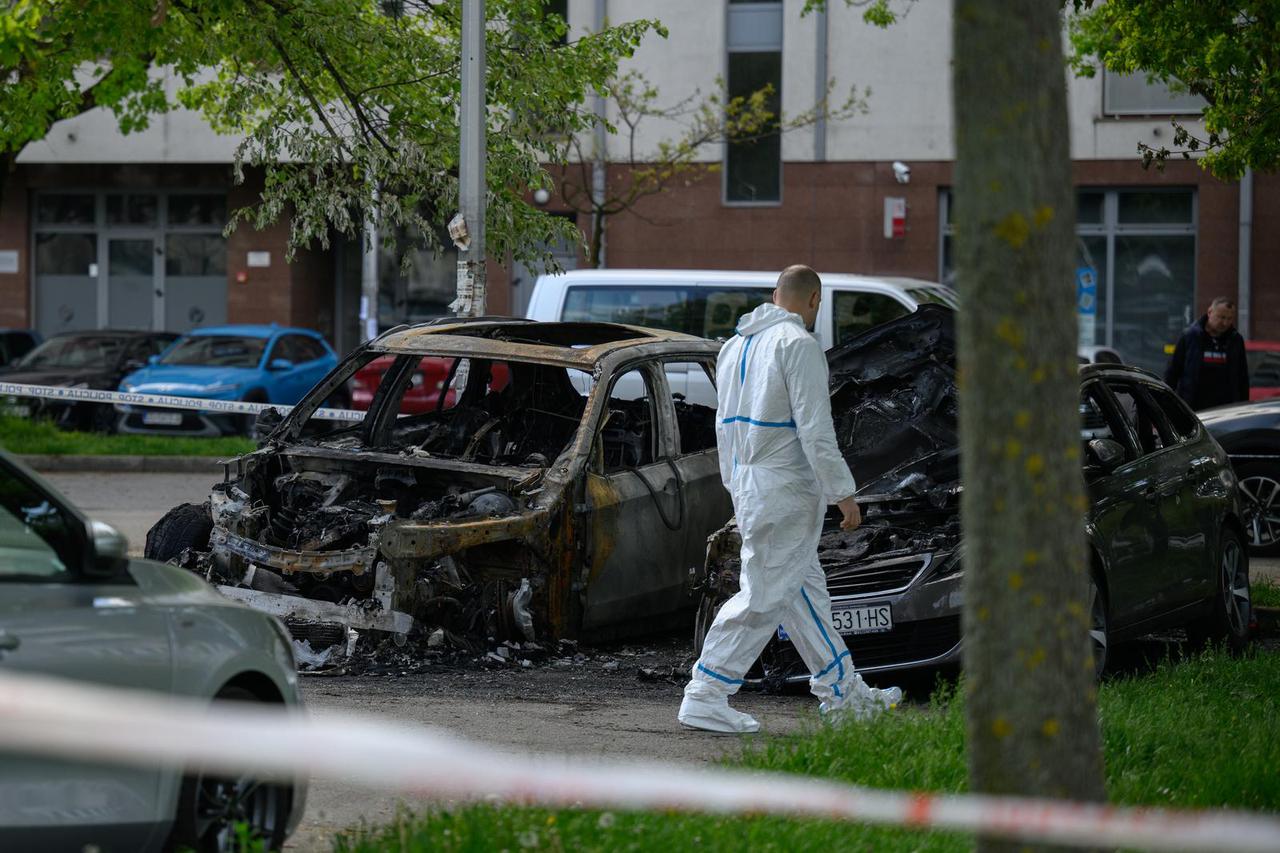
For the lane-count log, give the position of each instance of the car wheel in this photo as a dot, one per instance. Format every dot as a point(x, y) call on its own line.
point(185, 526)
point(1260, 485)
point(1099, 628)
point(214, 812)
point(1230, 609)
point(707, 609)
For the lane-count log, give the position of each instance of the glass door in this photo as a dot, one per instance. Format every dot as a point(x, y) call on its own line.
point(132, 289)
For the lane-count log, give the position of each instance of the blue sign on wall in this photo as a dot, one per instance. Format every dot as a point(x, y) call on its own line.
point(1086, 290)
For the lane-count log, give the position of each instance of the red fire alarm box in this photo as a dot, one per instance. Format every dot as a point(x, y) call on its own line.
point(895, 218)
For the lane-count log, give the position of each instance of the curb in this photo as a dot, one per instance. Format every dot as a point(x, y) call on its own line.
point(138, 464)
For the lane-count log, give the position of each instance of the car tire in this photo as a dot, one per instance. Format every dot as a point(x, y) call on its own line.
point(1099, 628)
point(212, 809)
point(185, 526)
point(1230, 608)
point(707, 609)
point(1260, 485)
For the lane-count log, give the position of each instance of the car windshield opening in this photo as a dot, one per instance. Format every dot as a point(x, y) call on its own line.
point(472, 409)
point(76, 351)
point(216, 351)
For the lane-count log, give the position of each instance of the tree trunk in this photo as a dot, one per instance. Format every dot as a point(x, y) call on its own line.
point(1031, 698)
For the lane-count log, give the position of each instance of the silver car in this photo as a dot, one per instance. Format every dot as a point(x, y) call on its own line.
point(73, 605)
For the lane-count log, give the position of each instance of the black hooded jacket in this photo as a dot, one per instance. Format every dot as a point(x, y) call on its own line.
point(1208, 371)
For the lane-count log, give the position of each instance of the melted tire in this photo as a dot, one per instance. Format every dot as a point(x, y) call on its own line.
point(185, 526)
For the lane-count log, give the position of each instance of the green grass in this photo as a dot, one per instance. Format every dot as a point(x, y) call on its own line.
point(1264, 592)
point(19, 435)
point(1200, 733)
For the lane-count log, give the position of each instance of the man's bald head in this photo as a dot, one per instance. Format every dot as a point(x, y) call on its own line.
point(799, 290)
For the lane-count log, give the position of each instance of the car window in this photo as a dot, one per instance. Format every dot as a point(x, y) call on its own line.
point(852, 313)
point(695, 423)
point(709, 312)
point(1264, 368)
point(1144, 416)
point(217, 351)
point(1100, 420)
point(37, 539)
point(305, 348)
point(1181, 419)
point(75, 351)
point(630, 431)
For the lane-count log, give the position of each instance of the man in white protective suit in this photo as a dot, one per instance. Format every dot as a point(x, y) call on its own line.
point(780, 462)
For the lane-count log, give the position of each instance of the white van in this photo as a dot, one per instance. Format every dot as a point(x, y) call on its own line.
point(708, 303)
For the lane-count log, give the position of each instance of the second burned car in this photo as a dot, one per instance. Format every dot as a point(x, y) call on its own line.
point(559, 490)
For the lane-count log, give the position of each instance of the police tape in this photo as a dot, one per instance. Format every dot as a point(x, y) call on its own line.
point(163, 401)
point(62, 719)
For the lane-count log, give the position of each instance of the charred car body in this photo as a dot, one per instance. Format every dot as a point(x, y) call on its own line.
point(1164, 524)
point(559, 489)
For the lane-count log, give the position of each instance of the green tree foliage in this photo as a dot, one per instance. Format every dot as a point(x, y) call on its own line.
point(347, 105)
point(1226, 51)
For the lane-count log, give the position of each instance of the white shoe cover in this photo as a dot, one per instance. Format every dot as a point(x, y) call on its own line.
point(713, 716)
point(863, 707)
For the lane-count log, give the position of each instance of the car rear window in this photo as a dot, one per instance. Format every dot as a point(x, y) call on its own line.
point(708, 312)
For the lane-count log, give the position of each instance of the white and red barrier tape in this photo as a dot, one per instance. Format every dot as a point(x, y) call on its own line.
point(71, 720)
point(164, 401)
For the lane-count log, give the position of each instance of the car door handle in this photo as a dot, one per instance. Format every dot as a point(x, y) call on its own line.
point(9, 642)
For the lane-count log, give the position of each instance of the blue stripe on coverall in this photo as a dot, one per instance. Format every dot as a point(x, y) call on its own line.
point(834, 654)
point(726, 679)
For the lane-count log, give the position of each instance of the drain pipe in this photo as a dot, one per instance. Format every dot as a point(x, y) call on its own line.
point(600, 153)
point(820, 85)
point(1244, 279)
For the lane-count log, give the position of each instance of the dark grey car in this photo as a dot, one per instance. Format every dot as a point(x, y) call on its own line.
point(1165, 521)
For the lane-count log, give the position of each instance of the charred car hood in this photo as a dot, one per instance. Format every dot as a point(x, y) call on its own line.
point(894, 404)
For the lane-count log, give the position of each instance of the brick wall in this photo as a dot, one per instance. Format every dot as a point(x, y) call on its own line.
point(15, 235)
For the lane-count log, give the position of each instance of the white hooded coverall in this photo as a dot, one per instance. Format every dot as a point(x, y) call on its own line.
point(776, 441)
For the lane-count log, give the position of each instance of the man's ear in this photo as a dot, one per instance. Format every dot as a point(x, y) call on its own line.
point(815, 298)
point(774, 296)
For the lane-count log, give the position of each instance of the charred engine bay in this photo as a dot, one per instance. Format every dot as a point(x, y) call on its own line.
point(893, 401)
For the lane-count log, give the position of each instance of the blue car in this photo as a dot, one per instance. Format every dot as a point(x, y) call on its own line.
point(257, 364)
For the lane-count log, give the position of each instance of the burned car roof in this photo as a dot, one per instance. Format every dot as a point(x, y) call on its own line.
point(579, 345)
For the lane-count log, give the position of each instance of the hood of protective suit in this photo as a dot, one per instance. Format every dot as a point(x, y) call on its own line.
point(765, 315)
point(893, 400)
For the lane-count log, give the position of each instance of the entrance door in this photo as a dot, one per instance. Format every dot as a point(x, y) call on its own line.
point(132, 288)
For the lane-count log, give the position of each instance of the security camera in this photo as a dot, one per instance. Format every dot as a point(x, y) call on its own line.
point(901, 172)
point(541, 196)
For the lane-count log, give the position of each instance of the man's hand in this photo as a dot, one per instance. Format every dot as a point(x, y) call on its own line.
point(852, 515)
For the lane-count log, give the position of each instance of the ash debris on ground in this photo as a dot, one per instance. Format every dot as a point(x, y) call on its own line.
point(661, 660)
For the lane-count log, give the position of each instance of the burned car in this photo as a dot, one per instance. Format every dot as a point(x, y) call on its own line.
point(558, 490)
point(1165, 521)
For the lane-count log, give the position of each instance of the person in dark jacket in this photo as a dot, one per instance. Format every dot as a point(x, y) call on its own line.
point(1208, 366)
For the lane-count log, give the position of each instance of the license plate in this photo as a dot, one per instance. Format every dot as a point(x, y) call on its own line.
point(870, 619)
point(162, 418)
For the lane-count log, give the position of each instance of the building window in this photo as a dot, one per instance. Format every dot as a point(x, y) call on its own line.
point(753, 168)
point(1133, 95)
point(1139, 248)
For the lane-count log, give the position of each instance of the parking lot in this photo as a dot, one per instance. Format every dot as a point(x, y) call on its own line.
point(598, 702)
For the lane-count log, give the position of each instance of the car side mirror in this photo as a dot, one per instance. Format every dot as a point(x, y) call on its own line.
point(110, 550)
point(1106, 453)
point(280, 364)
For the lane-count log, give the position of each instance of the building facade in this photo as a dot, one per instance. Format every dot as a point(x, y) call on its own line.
point(98, 229)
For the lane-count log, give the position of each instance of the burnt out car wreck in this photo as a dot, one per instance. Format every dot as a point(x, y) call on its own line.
point(556, 488)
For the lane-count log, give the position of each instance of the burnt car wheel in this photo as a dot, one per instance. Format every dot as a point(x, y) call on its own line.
point(185, 526)
point(1260, 485)
point(215, 811)
point(1230, 609)
point(1099, 628)
point(707, 609)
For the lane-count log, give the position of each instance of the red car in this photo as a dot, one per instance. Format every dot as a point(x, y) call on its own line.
point(431, 380)
point(1264, 369)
